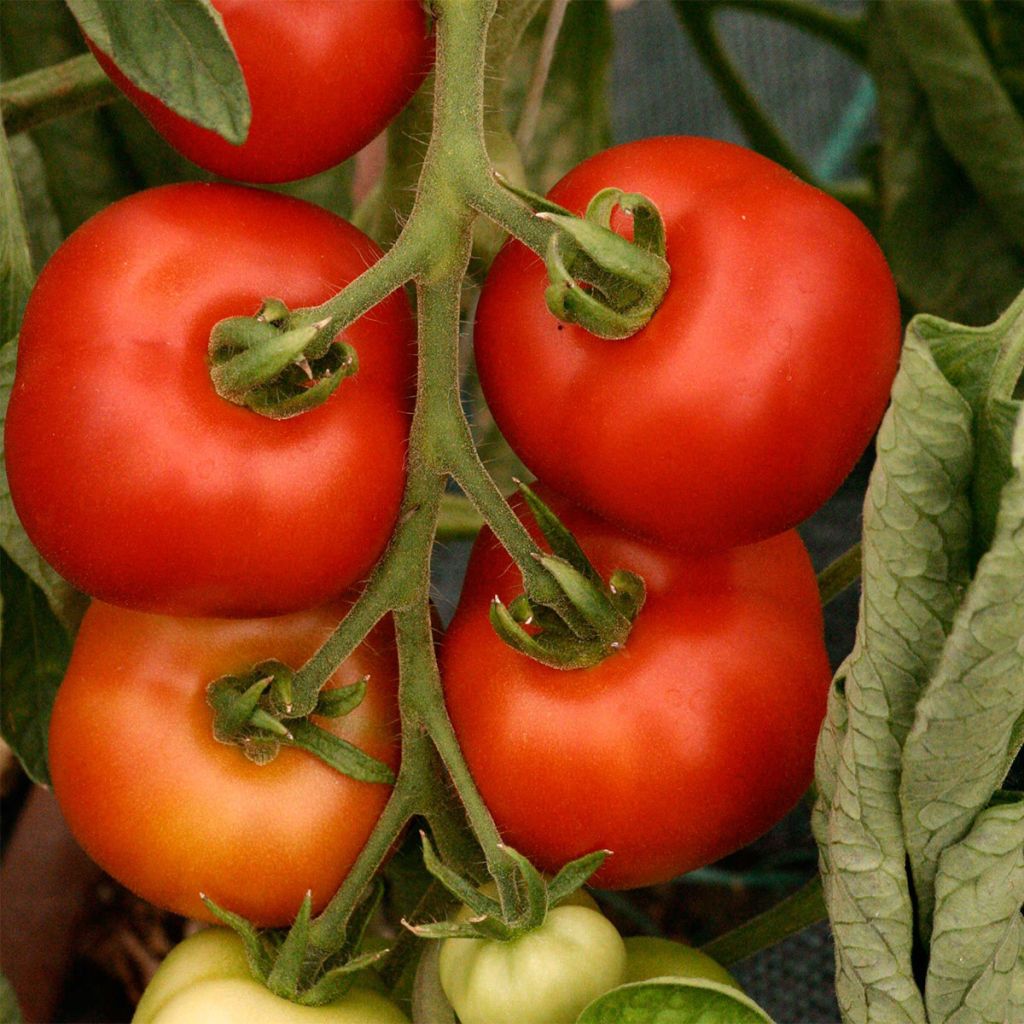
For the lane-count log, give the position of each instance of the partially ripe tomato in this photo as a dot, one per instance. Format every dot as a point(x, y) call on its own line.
point(687, 744)
point(324, 77)
point(545, 976)
point(206, 979)
point(752, 391)
point(134, 478)
point(648, 956)
point(170, 811)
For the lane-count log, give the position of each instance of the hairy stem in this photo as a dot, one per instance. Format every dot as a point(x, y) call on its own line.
point(434, 249)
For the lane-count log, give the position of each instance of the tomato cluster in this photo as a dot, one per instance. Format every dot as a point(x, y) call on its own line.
point(215, 538)
point(688, 743)
point(212, 537)
point(699, 441)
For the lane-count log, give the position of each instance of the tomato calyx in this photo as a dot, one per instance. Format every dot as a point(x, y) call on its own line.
point(254, 711)
point(275, 368)
point(605, 612)
point(607, 284)
point(487, 917)
point(290, 966)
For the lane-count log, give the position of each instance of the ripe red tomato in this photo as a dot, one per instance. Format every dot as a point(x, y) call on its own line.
point(754, 388)
point(324, 78)
point(687, 744)
point(171, 812)
point(134, 478)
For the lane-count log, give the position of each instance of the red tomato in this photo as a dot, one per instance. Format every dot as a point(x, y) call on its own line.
point(134, 478)
point(686, 745)
point(324, 78)
point(171, 812)
point(755, 387)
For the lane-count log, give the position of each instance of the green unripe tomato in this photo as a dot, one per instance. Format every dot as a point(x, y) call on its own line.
point(649, 957)
point(206, 980)
point(546, 976)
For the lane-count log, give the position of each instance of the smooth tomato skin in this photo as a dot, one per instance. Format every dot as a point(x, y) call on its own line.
point(324, 78)
point(142, 486)
point(755, 387)
point(689, 743)
point(171, 812)
point(206, 979)
point(546, 976)
point(648, 956)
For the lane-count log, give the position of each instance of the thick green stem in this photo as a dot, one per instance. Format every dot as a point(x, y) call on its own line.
point(39, 96)
point(805, 907)
point(511, 213)
point(459, 519)
point(839, 574)
point(434, 247)
point(406, 258)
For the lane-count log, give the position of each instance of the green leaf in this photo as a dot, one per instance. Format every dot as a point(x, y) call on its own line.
point(574, 119)
point(10, 1012)
point(972, 113)
point(178, 51)
point(967, 732)
point(572, 875)
point(673, 1001)
point(916, 564)
point(976, 969)
point(85, 166)
point(35, 655)
point(16, 275)
point(950, 252)
point(983, 363)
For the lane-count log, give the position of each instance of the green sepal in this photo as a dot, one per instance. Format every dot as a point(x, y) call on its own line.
point(465, 892)
point(341, 700)
point(233, 710)
point(648, 227)
point(533, 888)
point(290, 395)
point(591, 599)
point(623, 283)
point(276, 369)
point(338, 753)
point(283, 979)
point(333, 984)
point(246, 354)
point(592, 621)
point(257, 952)
point(562, 542)
point(261, 719)
point(538, 203)
point(248, 713)
point(475, 928)
point(549, 648)
point(627, 592)
point(533, 897)
point(574, 875)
